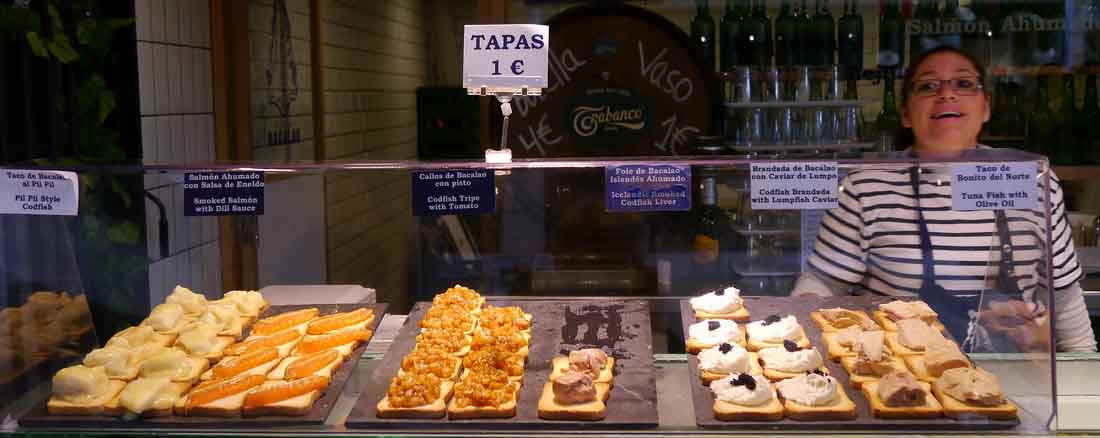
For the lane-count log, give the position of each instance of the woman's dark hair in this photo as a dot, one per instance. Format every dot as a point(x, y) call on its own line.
point(904, 136)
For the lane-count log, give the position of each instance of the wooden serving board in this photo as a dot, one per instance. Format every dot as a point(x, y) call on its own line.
point(760, 308)
point(620, 328)
point(38, 417)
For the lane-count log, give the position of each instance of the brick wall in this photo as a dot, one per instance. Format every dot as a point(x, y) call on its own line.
point(177, 126)
point(268, 120)
point(375, 56)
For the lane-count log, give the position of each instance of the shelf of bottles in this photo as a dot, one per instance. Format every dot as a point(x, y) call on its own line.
point(1036, 52)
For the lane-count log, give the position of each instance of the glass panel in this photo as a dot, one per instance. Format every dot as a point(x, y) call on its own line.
point(551, 233)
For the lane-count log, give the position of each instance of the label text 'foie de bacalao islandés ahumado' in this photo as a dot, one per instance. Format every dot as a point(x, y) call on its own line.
point(647, 187)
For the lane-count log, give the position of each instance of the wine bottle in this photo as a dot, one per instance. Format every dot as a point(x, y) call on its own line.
point(1015, 123)
point(1025, 43)
point(1052, 41)
point(769, 44)
point(702, 33)
point(919, 41)
point(824, 32)
point(1067, 147)
point(949, 18)
point(707, 240)
point(1091, 17)
point(891, 44)
point(786, 36)
point(1086, 118)
point(1042, 128)
point(888, 121)
point(731, 20)
point(975, 41)
point(755, 37)
point(850, 38)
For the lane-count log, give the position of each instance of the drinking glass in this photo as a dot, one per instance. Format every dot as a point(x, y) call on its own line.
point(746, 124)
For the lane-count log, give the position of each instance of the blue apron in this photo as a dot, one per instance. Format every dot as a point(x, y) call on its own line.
point(958, 313)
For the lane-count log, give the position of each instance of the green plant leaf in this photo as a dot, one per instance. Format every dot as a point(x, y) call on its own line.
point(56, 24)
point(62, 50)
point(85, 30)
point(37, 47)
point(125, 233)
point(91, 223)
point(106, 105)
point(120, 190)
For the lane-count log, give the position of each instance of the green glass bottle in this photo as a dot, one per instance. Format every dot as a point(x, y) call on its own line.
point(1052, 42)
point(1067, 147)
point(702, 33)
point(754, 38)
point(891, 44)
point(950, 20)
point(1091, 15)
point(786, 36)
point(731, 20)
point(707, 240)
point(850, 39)
point(1015, 122)
point(888, 121)
point(806, 43)
point(1083, 119)
point(920, 42)
point(824, 33)
point(1042, 128)
point(769, 45)
point(974, 38)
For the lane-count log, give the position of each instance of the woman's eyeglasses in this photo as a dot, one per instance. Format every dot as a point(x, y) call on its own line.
point(964, 86)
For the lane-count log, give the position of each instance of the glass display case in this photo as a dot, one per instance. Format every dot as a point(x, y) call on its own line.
point(682, 270)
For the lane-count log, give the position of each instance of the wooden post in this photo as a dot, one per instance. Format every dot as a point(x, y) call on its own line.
point(317, 76)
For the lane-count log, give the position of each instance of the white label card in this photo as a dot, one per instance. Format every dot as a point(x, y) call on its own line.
point(994, 186)
point(805, 185)
point(39, 192)
point(509, 56)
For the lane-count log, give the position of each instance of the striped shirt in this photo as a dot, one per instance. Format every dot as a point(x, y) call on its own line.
point(872, 240)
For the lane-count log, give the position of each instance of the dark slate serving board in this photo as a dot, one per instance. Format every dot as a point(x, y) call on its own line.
point(760, 308)
point(620, 328)
point(38, 417)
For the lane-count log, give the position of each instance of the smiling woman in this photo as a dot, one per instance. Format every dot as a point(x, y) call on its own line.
point(944, 101)
point(930, 250)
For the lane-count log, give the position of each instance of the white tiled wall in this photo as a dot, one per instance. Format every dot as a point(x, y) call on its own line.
point(177, 126)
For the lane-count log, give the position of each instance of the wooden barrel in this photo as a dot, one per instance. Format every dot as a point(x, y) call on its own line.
point(623, 81)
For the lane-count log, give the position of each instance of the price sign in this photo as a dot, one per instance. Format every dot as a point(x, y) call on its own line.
point(38, 192)
point(505, 57)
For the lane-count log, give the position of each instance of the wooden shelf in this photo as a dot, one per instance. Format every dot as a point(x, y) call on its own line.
point(1044, 70)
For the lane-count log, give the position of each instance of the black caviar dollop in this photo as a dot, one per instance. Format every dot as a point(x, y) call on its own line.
point(744, 380)
point(790, 345)
point(720, 292)
point(725, 348)
point(713, 325)
point(772, 319)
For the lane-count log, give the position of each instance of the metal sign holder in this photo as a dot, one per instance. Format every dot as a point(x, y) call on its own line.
point(504, 95)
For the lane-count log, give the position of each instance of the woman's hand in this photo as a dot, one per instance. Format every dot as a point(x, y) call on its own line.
point(1019, 321)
